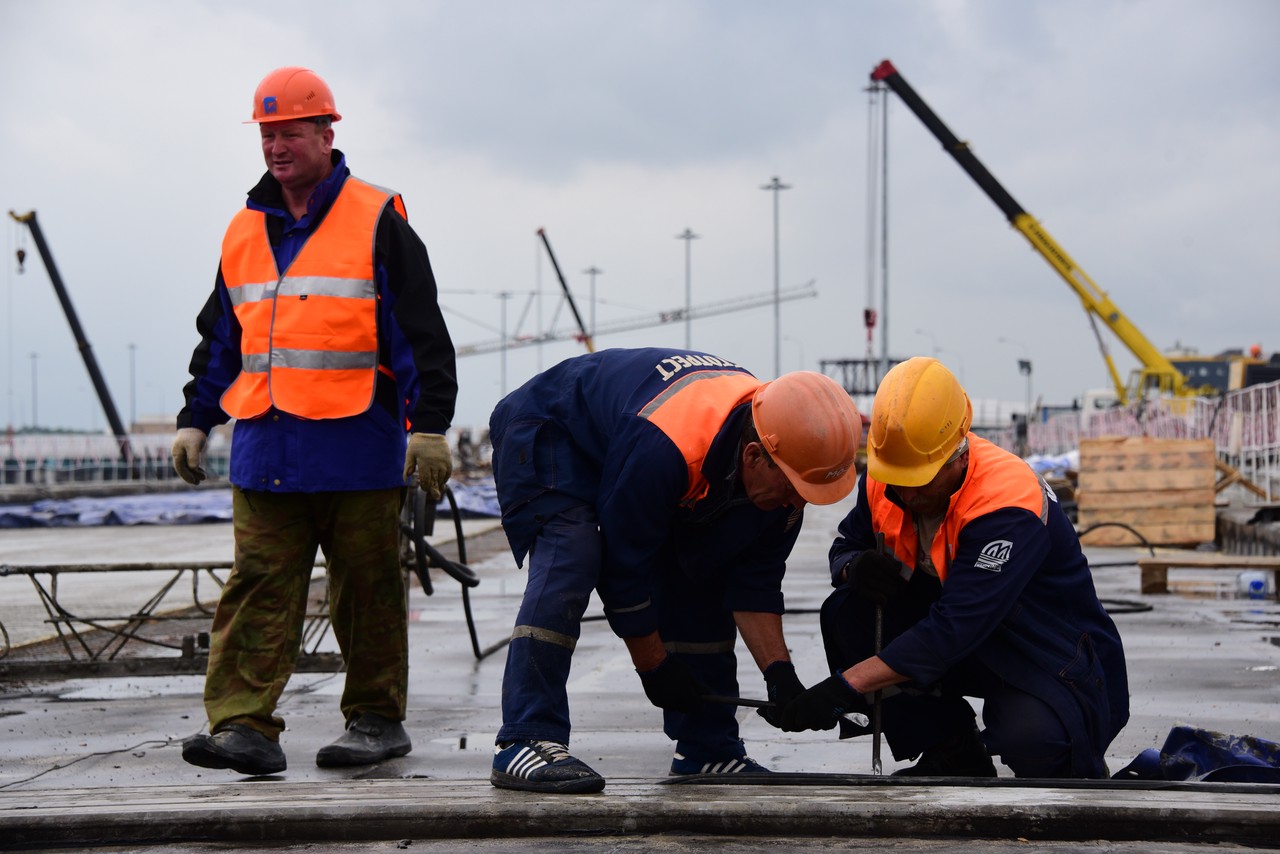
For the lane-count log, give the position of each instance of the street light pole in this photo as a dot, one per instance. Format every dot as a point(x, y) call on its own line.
point(1024, 368)
point(593, 271)
point(133, 391)
point(775, 185)
point(35, 417)
point(688, 237)
point(933, 341)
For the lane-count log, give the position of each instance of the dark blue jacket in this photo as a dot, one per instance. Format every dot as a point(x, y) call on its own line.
point(574, 435)
point(279, 452)
point(1032, 617)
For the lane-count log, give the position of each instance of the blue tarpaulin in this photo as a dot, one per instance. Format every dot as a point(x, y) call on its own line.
point(192, 507)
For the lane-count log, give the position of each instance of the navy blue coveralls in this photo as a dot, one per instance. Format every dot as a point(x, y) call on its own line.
point(1016, 622)
point(595, 495)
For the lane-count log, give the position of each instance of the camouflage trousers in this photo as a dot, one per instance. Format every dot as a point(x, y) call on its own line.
point(257, 628)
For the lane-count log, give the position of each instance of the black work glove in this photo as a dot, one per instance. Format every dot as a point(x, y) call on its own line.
point(876, 577)
point(821, 706)
point(783, 687)
point(672, 686)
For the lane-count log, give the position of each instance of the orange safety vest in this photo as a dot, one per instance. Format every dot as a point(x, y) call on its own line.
point(995, 480)
point(691, 412)
point(309, 338)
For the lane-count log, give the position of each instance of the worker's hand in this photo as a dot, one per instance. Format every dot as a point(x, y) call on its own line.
point(820, 707)
point(428, 455)
point(783, 687)
point(877, 577)
point(188, 454)
point(672, 686)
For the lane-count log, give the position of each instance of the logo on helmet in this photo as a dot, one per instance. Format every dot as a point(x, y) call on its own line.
point(269, 106)
point(836, 473)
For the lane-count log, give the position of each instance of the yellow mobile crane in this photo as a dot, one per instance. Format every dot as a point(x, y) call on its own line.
point(1157, 373)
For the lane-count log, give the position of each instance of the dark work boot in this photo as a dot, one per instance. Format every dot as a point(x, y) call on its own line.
point(237, 747)
point(369, 738)
point(962, 755)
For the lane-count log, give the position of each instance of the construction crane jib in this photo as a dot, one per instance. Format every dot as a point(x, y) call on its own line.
point(1157, 372)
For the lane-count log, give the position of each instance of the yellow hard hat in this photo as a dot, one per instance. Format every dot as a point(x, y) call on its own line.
point(919, 417)
point(292, 93)
point(811, 429)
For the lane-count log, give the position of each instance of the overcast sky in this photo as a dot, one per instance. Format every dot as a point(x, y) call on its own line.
point(1143, 135)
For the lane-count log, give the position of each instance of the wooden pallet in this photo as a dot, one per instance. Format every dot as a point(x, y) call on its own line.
point(1155, 570)
point(1163, 489)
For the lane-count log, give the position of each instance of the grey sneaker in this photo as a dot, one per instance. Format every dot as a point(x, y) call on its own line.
point(237, 747)
point(542, 766)
point(369, 738)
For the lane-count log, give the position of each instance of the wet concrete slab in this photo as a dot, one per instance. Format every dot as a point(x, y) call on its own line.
point(95, 754)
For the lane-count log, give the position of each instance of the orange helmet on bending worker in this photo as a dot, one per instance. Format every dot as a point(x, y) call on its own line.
point(919, 417)
point(811, 429)
point(292, 93)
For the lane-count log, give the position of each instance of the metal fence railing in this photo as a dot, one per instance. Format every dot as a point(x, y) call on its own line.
point(1244, 425)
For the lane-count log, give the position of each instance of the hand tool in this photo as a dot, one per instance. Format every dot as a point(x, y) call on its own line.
point(876, 723)
point(855, 718)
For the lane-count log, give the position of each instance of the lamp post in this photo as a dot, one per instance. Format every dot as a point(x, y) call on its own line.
point(934, 350)
point(938, 351)
point(35, 417)
point(688, 237)
point(776, 186)
point(1024, 368)
point(593, 271)
point(133, 390)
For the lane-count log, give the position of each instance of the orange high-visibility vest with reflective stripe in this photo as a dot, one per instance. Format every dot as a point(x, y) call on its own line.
point(995, 480)
point(691, 412)
point(309, 338)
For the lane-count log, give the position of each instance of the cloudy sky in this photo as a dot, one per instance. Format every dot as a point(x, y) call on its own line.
point(1142, 134)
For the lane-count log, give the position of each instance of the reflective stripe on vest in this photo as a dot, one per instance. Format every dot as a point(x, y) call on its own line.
point(309, 339)
point(691, 412)
point(995, 480)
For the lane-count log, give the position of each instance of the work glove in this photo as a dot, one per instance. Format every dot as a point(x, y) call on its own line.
point(428, 455)
point(188, 454)
point(821, 707)
point(876, 577)
point(783, 687)
point(672, 686)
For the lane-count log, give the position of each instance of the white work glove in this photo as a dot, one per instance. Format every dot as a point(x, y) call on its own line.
point(188, 454)
point(429, 455)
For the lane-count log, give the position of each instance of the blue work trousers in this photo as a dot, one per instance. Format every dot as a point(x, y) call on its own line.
point(1023, 730)
point(564, 567)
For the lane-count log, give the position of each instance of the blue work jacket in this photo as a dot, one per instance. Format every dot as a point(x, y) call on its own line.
point(577, 435)
point(1018, 597)
point(416, 385)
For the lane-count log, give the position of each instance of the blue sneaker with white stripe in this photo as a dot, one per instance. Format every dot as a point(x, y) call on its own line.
point(541, 766)
point(681, 765)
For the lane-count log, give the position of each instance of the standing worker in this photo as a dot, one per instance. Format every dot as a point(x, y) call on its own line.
point(322, 338)
point(984, 592)
point(673, 484)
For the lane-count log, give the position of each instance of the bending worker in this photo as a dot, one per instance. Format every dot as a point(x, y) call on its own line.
point(984, 592)
point(672, 484)
point(322, 338)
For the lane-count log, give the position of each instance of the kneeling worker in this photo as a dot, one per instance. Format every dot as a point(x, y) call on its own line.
point(673, 485)
point(984, 592)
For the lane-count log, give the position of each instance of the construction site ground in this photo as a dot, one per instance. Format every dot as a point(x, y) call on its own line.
point(95, 762)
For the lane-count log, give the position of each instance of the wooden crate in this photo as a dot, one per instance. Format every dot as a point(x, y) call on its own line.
point(1162, 488)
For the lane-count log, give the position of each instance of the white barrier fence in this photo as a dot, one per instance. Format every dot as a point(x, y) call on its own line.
point(1243, 424)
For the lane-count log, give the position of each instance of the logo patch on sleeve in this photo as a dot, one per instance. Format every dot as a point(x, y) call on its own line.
point(994, 555)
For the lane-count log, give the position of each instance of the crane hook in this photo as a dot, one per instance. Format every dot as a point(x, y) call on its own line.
point(22, 256)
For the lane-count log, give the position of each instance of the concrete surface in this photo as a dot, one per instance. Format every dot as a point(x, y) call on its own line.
point(97, 762)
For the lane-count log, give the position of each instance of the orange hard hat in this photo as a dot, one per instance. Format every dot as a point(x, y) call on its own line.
point(919, 417)
point(811, 429)
point(292, 93)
